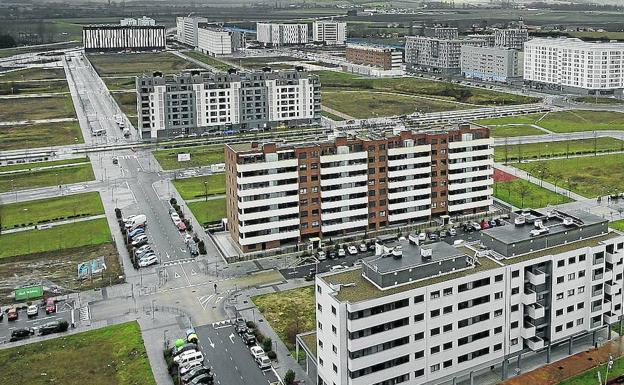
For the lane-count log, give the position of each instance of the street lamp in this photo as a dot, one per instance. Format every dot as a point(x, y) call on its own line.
point(206, 190)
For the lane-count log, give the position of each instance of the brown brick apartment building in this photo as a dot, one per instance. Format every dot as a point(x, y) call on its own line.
point(382, 57)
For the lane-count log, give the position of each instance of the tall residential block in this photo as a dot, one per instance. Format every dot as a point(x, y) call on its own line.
point(436, 54)
point(277, 34)
point(329, 32)
point(511, 38)
point(491, 63)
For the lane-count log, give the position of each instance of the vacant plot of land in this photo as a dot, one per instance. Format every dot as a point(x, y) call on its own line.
point(33, 87)
point(212, 210)
point(191, 188)
point(120, 83)
point(289, 312)
point(33, 74)
point(364, 105)
point(515, 130)
point(566, 121)
point(126, 101)
point(137, 63)
point(40, 135)
point(216, 63)
point(556, 149)
point(113, 355)
point(46, 177)
point(200, 156)
point(51, 209)
point(590, 176)
point(521, 193)
point(36, 108)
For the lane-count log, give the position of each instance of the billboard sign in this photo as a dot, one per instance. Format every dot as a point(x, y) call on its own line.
point(184, 157)
point(24, 293)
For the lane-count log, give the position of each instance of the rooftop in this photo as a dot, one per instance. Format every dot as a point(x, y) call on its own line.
point(310, 341)
point(412, 256)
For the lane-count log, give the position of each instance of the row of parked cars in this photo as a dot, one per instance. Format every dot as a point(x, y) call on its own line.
point(45, 329)
point(189, 360)
point(135, 227)
point(342, 252)
point(48, 304)
point(257, 353)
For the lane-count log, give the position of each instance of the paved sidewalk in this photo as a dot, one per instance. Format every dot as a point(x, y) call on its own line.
point(52, 224)
point(37, 121)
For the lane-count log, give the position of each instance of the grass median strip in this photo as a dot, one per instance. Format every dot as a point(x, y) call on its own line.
point(199, 186)
point(112, 355)
point(212, 210)
point(40, 135)
point(33, 165)
point(552, 149)
point(521, 193)
point(33, 87)
point(46, 177)
point(200, 156)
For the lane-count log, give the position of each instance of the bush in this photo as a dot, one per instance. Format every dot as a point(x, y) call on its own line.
point(289, 378)
point(118, 213)
point(250, 324)
point(202, 247)
point(173, 201)
point(195, 238)
point(63, 326)
point(267, 344)
point(272, 355)
point(259, 336)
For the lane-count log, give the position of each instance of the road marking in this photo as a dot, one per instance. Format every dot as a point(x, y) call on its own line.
point(212, 345)
point(176, 275)
point(203, 301)
point(193, 272)
point(218, 300)
point(231, 336)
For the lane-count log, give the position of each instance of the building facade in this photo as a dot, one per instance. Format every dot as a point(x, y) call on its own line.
point(329, 32)
point(382, 57)
point(198, 102)
point(143, 21)
point(435, 54)
point(434, 313)
point(216, 41)
point(276, 34)
point(511, 38)
point(572, 65)
point(187, 29)
point(491, 63)
point(441, 32)
point(118, 37)
point(279, 195)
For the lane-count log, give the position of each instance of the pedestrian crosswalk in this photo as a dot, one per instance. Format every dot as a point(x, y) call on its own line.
point(177, 262)
point(84, 313)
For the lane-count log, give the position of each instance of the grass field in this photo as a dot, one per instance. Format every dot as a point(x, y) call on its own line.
point(120, 84)
point(200, 156)
point(138, 63)
point(40, 135)
point(591, 376)
point(33, 74)
point(364, 104)
point(552, 149)
point(33, 165)
point(518, 119)
point(289, 312)
point(594, 100)
point(534, 196)
point(209, 211)
point(33, 87)
point(51, 209)
point(590, 176)
point(36, 108)
point(216, 63)
point(112, 355)
point(566, 121)
point(60, 237)
point(331, 116)
point(516, 130)
point(126, 101)
point(47, 177)
point(618, 225)
point(191, 188)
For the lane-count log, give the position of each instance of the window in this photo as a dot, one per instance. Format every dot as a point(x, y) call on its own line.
point(448, 291)
point(579, 321)
point(570, 292)
point(514, 324)
point(419, 354)
point(569, 325)
point(498, 329)
point(334, 330)
point(435, 349)
point(581, 273)
point(319, 307)
point(498, 278)
point(515, 274)
point(580, 305)
point(570, 308)
point(559, 296)
point(560, 279)
point(515, 290)
point(571, 276)
point(419, 299)
point(559, 328)
point(498, 347)
point(435, 331)
point(498, 313)
point(333, 310)
point(447, 346)
point(435, 368)
point(435, 313)
point(498, 295)
point(582, 257)
point(514, 341)
point(447, 309)
point(419, 373)
point(561, 263)
point(447, 327)
point(335, 368)
point(419, 317)
point(448, 363)
point(514, 308)
point(559, 312)
point(419, 336)
point(571, 260)
point(435, 294)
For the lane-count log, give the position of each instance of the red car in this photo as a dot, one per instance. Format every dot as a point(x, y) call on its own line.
point(50, 306)
point(12, 314)
point(181, 226)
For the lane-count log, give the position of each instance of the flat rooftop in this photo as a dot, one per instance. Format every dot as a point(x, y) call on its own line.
point(412, 256)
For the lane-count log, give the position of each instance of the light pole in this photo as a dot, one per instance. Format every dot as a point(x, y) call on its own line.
point(206, 190)
point(153, 309)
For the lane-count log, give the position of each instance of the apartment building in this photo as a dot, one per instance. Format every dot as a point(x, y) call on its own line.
point(143, 21)
point(329, 32)
point(386, 58)
point(574, 66)
point(187, 29)
point(217, 41)
point(119, 37)
point(277, 34)
point(441, 32)
point(283, 194)
point(491, 63)
point(435, 54)
point(511, 38)
point(435, 313)
point(197, 102)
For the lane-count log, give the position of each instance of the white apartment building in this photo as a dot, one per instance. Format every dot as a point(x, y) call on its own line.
point(511, 38)
point(187, 29)
point(572, 65)
point(276, 34)
point(434, 313)
point(491, 63)
point(436, 54)
point(118, 37)
point(329, 32)
point(216, 41)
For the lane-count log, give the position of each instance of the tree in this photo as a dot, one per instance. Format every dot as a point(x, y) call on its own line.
point(267, 344)
point(7, 41)
point(289, 377)
point(523, 190)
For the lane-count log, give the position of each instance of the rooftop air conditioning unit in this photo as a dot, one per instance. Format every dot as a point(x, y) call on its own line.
point(520, 221)
point(538, 223)
point(397, 252)
point(567, 221)
point(425, 253)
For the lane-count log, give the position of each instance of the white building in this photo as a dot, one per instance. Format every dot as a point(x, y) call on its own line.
point(118, 37)
point(436, 54)
point(491, 63)
point(572, 65)
point(276, 34)
point(435, 313)
point(187, 29)
point(329, 32)
point(143, 21)
point(511, 37)
point(216, 41)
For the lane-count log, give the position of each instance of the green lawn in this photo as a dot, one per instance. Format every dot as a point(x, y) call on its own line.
point(275, 62)
point(209, 211)
point(515, 130)
point(126, 101)
point(32, 87)
point(112, 355)
point(594, 100)
point(30, 166)
point(33, 74)
point(534, 196)
point(517, 119)
point(591, 376)
point(191, 188)
point(618, 225)
point(211, 61)
point(590, 176)
point(565, 121)
point(137, 63)
point(120, 84)
point(365, 104)
point(51, 209)
point(289, 312)
point(200, 156)
point(47, 177)
point(36, 108)
point(94, 232)
point(40, 135)
point(553, 149)
point(331, 116)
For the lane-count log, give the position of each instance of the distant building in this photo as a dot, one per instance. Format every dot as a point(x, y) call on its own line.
point(118, 37)
point(187, 29)
point(511, 37)
point(277, 34)
point(382, 57)
point(143, 21)
point(198, 102)
point(215, 41)
point(572, 65)
point(435, 54)
point(488, 39)
point(491, 63)
point(441, 32)
point(329, 32)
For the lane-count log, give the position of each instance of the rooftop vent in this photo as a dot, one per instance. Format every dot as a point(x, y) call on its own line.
point(232, 71)
point(536, 232)
point(397, 252)
point(520, 221)
point(538, 224)
point(425, 253)
point(567, 221)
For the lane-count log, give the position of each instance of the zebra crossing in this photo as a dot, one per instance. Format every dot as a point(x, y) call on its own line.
point(84, 313)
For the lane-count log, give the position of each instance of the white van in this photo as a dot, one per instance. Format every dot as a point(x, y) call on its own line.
point(137, 221)
point(188, 358)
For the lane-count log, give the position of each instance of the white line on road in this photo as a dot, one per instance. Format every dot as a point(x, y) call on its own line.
point(231, 336)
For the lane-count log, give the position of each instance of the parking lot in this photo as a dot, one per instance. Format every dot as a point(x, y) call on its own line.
point(63, 312)
point(231, 359)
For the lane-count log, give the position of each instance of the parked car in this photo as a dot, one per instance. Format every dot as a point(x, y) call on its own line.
point(476, 226)
point(333, 255)
point(422, 237)
point(336, 268)
point(140, 240)
point(184, 348)
point(241, 326)
point(371, 247)
point(136, 221)
point(492, 223)
point(191, 336)
point(321, 256)
point(362, 247)
point(49, 328)
point(188, 356)
point(32, 311)
point(181, 226)
point(357, 263)
point(433, 236)
point(352, 250)
point(249, 338)
point(256, 351)
point(144, 254)
point(202, 379)
point(50, 306)
point(443, 234)
point(115, 160)
point(195, 372)
point(190, 366)
point(341, 253)
point(452, 232)
point(21, 333)
point(175, 218)
point(136, 232)
point(263, 362)
point(12, 314)
point(148, 261)
point(141, 250)
point(485, 224)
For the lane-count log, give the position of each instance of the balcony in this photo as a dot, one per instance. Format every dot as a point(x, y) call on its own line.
point(529, 297)
point(611, 288)
point(608, 275)
point(535, 311)
point(613, 258)
point(536, 277)
point(535, 343)
point(528, 331)
point(609, 318)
